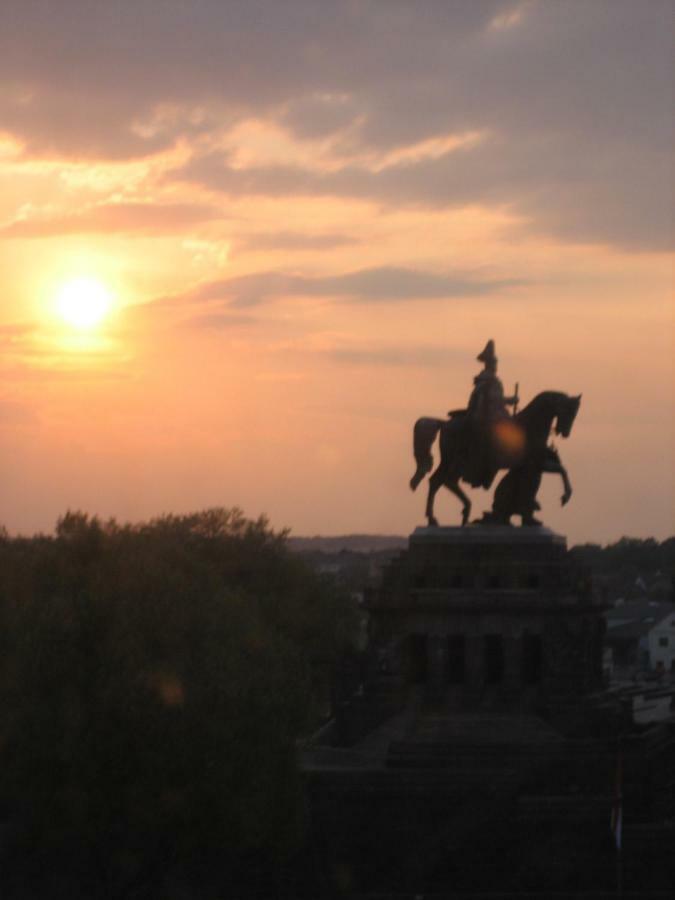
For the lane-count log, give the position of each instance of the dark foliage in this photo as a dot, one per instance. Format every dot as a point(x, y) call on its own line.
point(153, 680)
point(631, 568)
point(645, 555)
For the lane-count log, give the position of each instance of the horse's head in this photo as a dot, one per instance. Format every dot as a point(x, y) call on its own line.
point(566, 415)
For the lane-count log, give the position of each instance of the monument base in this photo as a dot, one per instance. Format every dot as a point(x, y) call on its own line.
point(485, 534)
point(488, 618)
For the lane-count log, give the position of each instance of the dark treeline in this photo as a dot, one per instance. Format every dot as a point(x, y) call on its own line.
point(153, 681)
point(632, 568)
point(642, 555)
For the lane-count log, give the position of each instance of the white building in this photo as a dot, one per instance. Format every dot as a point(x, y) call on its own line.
point(642, 635)
point(661, 642)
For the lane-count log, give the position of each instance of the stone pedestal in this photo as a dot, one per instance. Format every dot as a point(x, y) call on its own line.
point(494, 762)
point(492, 618)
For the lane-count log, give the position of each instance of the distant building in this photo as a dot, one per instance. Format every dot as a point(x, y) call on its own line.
point(642, 635)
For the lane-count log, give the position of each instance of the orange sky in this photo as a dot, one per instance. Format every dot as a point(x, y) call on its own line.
point(310, 224)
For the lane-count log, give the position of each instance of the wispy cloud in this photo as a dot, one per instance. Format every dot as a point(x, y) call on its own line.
point(294, 240)
point(220, 321)
point(110, 218)
point(551, 186)
point(372, 285)
point(417, 355)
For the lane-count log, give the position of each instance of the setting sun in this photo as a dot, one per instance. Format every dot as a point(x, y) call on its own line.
point(83, 303)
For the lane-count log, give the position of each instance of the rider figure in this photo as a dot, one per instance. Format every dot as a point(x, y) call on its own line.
point(487, 407)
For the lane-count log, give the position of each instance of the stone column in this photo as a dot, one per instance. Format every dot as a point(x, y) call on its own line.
point(437, 651)
point(512, 661)
point(475, 675)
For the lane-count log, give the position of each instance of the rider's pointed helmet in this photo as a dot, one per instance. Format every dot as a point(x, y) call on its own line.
point(488, 354)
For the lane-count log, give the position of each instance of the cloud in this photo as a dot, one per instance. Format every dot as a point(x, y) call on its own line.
point(75, 69)
point(295, 240)
point(221, 321)
point(111, 218)
point(555, 189)
point(372, 285)
point(577, 97)
point(320, 114)
point(393, 356)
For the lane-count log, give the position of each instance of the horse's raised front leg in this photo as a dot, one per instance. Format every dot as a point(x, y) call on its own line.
point(567, 485)
point(466, 503)
point(553, 464)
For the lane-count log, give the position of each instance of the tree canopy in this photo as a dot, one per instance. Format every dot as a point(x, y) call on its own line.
point(153, 680)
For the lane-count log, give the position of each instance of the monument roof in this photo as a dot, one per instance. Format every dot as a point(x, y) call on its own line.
point(486, 534)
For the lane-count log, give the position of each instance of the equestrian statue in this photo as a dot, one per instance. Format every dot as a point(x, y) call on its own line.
point(479, 441)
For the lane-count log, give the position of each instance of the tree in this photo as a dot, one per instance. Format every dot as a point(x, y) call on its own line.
point(154, 679)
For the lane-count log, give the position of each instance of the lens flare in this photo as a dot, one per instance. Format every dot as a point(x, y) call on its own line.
point(510, 440)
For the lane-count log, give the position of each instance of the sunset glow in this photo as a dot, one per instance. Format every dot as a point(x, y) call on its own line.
point(239, 264)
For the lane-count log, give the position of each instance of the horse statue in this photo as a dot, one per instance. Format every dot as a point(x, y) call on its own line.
point(518, 444)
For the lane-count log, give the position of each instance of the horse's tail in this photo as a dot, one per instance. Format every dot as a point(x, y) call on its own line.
point(424, 434)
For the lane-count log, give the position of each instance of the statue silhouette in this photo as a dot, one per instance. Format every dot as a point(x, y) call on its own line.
point(478, 442)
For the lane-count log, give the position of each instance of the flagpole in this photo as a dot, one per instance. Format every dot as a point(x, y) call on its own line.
point(619, 873)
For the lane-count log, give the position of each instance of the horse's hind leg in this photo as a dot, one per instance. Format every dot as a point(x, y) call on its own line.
point(435, 482)
point(466, 503)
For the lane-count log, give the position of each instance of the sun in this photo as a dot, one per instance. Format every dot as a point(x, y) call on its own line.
point(83, 303)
